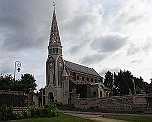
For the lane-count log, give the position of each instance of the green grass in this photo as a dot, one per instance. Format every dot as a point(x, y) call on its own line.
point(60, 118)
point(132, 118)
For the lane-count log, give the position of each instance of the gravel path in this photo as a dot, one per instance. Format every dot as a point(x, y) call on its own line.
point(95, 117)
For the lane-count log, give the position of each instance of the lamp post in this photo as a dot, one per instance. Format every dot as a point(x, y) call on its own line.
point(17, 66)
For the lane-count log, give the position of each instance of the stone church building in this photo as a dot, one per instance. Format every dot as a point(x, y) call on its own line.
point(65, 79)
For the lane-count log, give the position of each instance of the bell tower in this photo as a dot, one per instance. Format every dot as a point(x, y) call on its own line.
point(54, 47)
point(56, 85)
point(54, 61)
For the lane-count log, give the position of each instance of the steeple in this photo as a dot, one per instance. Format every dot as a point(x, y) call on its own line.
point(54, 47)
point(54, 34)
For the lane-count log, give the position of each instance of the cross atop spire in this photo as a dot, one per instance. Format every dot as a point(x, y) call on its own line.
point(54, 34)
point(54, 5)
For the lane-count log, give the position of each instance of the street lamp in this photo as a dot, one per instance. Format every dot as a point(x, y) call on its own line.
point(17, 66)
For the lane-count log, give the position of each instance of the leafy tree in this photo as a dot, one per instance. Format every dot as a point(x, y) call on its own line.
point(6, 82)
point(124, 83)
point(108, 82)
point(28, 83)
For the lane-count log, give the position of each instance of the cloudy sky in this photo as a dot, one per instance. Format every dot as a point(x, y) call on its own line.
point(103, 34)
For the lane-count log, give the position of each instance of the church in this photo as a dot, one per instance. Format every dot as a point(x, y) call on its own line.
point(65, 79)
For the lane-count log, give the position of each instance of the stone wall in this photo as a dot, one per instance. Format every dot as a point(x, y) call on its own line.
point(13, 98)
point(115, 103)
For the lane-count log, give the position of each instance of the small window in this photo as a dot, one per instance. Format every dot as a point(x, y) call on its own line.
point(91, 79)
point(53, 50)
point(82, 78)
point(78, 77)
point(94, 93)
point(57, 50)
point(100, 94)
point(87, 79)
point(95, 80)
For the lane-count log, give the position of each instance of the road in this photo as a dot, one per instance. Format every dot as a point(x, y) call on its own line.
point(97, 116)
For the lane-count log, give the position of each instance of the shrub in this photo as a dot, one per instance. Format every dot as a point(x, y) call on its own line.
point(32, 112)
point(18, 116)
point(10, 114)
point(45, 112)
point(6, 113)
point(26, 114)
point(3, 111)
point(53, 110)
point(38, 112)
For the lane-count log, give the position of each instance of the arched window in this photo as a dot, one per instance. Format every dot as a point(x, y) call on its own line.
point(78, 77)
point(82, 78)
point(87, 79)
point(60, 70)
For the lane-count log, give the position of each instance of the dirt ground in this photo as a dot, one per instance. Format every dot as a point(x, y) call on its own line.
point(97, 118)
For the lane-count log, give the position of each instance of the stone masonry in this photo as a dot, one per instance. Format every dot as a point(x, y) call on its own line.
point(115, 103)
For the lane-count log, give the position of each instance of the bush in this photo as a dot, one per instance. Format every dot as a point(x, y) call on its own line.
point(54, 112)
point(38, 112)
point(46, 112)
point(3, 111)
point(6, 113)
point(53, 109)
point(26, 114)
point(32, 112)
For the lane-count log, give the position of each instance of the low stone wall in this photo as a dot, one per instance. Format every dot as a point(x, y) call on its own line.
point(116, 103)
point(13, 98)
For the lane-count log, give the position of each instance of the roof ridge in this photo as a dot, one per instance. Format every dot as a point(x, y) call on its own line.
point(79, 64)
point(81, 68)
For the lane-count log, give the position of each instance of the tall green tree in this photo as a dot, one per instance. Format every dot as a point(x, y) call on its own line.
point(108, 82)
point(6, 82)
point(25, 84)
point(28, 83)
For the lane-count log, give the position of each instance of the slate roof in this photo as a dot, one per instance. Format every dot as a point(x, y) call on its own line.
point(80, 68)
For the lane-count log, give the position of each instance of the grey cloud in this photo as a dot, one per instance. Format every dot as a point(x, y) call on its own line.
point(23, 24)
point(133, 49)
point(78, 47)
point(137, 61)
point(7, 68)
point(92, 59)
point(109, 43)
point(77, 24)
point(134, 19)
point(147, 46)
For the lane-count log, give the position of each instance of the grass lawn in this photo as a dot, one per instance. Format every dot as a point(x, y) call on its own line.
point(61, 118)
point(132, 118)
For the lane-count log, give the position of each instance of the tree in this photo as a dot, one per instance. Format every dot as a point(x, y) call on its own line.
point(25, 84)
point(28, 83)
point(6, 82)
point(125, 83)
point(108, 82)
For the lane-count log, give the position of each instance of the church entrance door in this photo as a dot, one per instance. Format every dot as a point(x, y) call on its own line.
point(51, 97)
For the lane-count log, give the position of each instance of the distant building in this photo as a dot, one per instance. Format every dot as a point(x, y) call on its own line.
point(65, 79)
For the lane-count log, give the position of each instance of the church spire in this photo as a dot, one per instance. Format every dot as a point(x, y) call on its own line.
point(54, 34)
